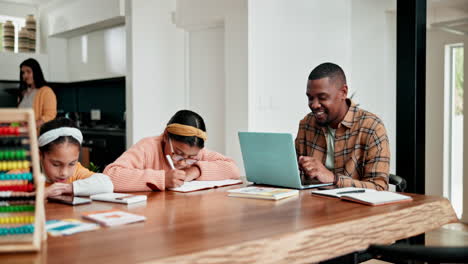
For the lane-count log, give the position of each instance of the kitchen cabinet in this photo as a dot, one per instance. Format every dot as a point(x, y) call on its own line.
point(104, 145)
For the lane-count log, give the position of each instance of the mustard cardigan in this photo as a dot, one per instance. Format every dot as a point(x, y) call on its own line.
point(45, 104)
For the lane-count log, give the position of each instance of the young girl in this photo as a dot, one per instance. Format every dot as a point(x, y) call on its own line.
point(144, 166)
point(59, 147)
point(34, 92)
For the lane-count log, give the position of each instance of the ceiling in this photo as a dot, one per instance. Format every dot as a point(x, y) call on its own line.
point(448, 15)
point(27, 2)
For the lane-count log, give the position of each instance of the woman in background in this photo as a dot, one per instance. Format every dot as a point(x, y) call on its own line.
point(34, 92)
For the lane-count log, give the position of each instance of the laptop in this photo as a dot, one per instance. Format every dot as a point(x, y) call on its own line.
point(270, 158)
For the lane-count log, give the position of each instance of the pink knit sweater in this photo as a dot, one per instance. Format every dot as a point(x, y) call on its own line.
point(145, 163)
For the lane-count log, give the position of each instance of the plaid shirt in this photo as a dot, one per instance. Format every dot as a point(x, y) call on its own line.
point(362, 152)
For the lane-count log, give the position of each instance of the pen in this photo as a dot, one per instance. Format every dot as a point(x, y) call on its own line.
point(170, 162)
point(125, 197)
point(356, 191)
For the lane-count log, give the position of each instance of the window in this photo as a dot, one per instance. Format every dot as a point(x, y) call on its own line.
point(454, 126)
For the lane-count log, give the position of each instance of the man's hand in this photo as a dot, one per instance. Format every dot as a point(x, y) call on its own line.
point(58, 189)
point(192, 172)
point(313, 168)
point(175, 178)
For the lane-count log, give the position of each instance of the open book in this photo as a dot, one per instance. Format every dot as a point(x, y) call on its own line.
point(365, 196)
point(202, 185)
point(113, 217)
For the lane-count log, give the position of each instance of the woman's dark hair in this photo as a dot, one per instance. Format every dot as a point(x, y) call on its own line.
point(38, 76)
point(189, 118)
point(58, 123)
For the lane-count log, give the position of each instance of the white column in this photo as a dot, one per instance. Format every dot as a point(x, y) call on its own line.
point(195, 16)
point(236, 60)
point(155, 73)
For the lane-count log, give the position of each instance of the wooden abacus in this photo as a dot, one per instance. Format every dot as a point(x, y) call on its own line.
point(22, 216)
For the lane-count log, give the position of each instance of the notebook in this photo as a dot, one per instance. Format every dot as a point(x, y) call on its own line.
point(118, 198)
point(203, 185)
point(263, 193)
point(365, 196)
point(67, 227)
point(270, 158)
point(338, 192)
point(113, 217)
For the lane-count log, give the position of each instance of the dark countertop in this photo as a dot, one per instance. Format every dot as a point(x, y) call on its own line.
point(103, 131)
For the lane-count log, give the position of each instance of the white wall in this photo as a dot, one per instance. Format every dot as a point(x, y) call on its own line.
point(373, 62)
point(66, 16)
point(99, 54)
point(207, 84)
point(17, 10)
point(55, 48)
point(10, 62)
point(196, 16)
point(106, 47)
point(288, 39)
point(236, 67)
point(155, 67)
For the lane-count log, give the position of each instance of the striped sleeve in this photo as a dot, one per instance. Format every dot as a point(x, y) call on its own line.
point(214, 166)
point(129, 172)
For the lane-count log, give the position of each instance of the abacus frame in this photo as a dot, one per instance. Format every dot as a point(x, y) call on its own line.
point(27, 115)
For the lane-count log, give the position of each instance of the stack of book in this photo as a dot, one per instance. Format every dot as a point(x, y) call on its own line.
point(263, 193)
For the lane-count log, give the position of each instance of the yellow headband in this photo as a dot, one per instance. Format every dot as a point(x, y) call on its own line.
point(186, 131)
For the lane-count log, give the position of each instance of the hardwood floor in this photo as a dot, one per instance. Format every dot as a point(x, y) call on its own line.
point(449, 235)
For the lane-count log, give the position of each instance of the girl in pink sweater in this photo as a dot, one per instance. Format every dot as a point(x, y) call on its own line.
point(144, 167)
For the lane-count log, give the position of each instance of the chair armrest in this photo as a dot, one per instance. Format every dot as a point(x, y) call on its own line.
point(398, 181)
point(421, 253)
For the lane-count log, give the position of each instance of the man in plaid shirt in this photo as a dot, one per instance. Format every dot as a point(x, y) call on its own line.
point(338, 142)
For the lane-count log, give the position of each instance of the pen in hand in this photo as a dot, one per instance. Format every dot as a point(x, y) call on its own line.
point(356, 191)
point(169, 160)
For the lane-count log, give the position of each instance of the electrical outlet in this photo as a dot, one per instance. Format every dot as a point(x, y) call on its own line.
point(95, 114)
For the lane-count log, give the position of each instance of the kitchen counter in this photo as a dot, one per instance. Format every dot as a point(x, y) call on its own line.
point(104, 131)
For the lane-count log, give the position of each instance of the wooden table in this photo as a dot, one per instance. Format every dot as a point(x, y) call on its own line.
point(209, 227)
